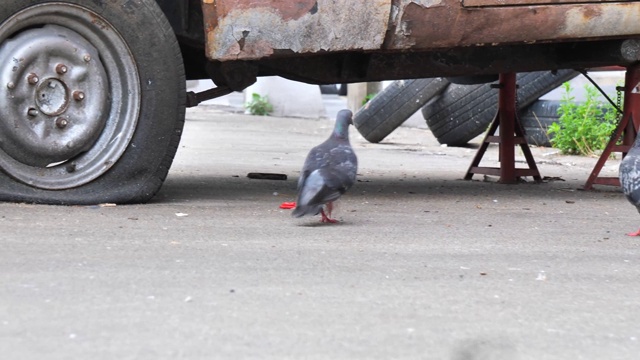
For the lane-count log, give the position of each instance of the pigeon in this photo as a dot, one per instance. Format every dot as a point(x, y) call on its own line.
point(630, 177)
point(328, 172)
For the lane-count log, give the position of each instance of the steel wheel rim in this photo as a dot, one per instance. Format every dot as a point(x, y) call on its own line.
point(106, 132)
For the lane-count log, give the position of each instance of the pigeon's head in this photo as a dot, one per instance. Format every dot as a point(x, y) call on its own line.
point(345, 115)
point(343, 120)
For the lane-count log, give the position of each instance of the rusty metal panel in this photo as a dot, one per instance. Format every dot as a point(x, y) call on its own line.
point(256, 29)
point(482, 3)
point(253, 29)
point(437, 24)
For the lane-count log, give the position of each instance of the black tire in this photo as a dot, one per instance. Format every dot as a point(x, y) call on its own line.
point(329, 89)
point(463, 112)
point(537, 118)
point(132, 103)
point(394, 105)
point(342, 89)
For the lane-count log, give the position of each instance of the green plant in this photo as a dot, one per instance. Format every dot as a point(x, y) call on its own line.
point(583, 128)
point(259, 105)
point(367, 98)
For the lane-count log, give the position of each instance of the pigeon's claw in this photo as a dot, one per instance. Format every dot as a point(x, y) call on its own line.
point(637, 233)
point(327, 219)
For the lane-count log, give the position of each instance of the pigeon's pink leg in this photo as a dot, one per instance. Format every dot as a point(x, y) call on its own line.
point(637, 233)
point(325, 218)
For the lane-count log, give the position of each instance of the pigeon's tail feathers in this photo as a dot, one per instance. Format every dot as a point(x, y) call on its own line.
point(302, 210)
point(320, 187)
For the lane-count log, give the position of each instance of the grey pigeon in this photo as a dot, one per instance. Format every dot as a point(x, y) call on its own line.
point(630, 177)
point(328, 172)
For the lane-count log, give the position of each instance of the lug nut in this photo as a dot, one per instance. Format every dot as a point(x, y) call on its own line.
point(71, 168)
point(61, 69)
point(33, 79)
point(78, 95)
point(11, 85)
point(62, 123)
point(32, 112)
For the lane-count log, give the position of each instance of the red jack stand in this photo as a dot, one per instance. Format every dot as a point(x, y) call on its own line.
point(627, 129)
point(511, 134)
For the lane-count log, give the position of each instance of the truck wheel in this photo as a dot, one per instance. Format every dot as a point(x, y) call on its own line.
point(394, 105)
point(463, 112)
point(92, 100)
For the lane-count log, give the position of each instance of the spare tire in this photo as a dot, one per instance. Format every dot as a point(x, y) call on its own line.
point(394, 105)
point(537, 118)
point(463, 112)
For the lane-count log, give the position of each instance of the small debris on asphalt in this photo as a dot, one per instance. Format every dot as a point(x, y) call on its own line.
point(181, 214)
point(483, 273)
point(288, 205)
point(266, 176)
point(188, 299)
point(552, 178)
point(108, 205)
point(570, 201)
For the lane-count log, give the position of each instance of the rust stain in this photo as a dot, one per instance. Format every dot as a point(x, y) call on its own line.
point(252, 29)
point(287, 9)
point(453, 25)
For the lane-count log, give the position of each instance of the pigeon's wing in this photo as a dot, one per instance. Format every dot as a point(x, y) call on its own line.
point(313, 193)
point(317, 158)
point(630, 178)
point(344, 165)
point(320, 187)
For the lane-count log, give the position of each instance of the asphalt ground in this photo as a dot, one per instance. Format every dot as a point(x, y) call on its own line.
point(422, 265)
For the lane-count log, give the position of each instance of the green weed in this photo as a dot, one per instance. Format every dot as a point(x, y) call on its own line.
point(583, 128)
point(259, 105)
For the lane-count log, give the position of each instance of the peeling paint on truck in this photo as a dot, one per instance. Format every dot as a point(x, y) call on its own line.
point(256, 29)
point(259, 29)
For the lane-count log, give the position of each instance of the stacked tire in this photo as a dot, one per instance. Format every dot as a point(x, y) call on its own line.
point(456, 113)
point(463, 112)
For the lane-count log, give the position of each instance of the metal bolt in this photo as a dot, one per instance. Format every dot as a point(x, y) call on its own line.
point(62, 122)
point(11, 85)
point(78, 95)
point(87, 58)
point(33, 79)
point(32, 112)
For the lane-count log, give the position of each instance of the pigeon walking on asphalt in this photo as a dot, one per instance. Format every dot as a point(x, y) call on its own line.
point(329, 170)
point(630, 177)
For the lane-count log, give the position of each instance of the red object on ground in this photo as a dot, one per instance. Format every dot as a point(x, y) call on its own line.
point(637, 233)
point(288, 205)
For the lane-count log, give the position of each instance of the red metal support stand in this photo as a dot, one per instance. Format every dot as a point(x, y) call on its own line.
point(510, 135)
point(626, 131)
